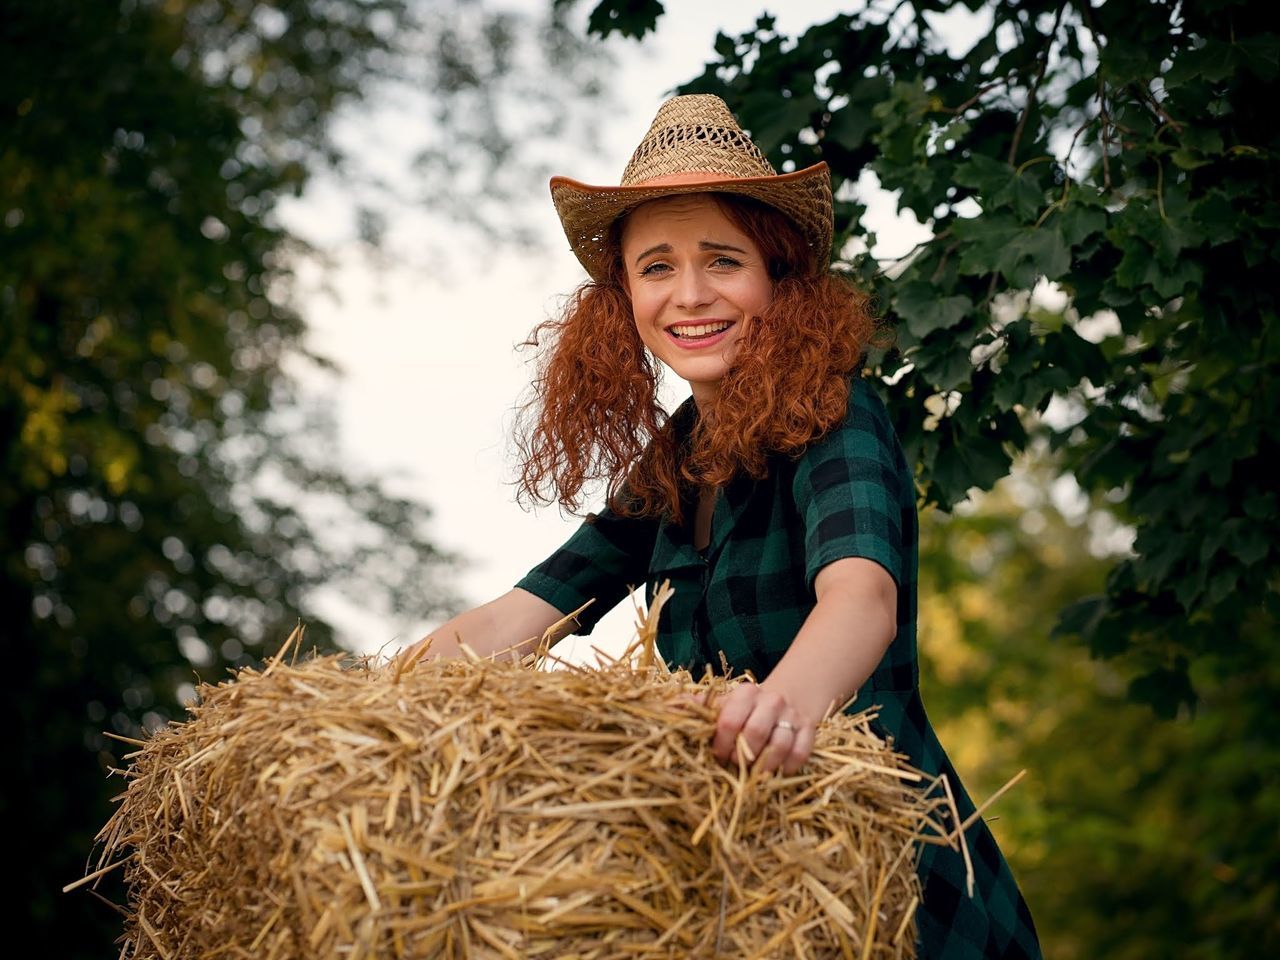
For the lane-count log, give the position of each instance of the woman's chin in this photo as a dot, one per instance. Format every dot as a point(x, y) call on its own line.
point(702, 377)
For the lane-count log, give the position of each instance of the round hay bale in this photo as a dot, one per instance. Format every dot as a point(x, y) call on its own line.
point(480, 808)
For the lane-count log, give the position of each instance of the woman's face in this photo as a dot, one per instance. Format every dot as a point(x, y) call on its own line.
point(695, 282)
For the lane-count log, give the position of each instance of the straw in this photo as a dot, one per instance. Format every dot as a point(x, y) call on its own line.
point(486, 808)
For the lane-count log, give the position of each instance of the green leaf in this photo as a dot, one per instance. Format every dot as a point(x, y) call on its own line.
point(951, 476)
point(924, 311)
point(1260, 505)
point(985, 174)
point(631, 18)
point(1213, 61)
point(1077, 222)
point(1202, 138)
point(1022, 254)
point(1081, 618)
point(1223, 584)
point(1171, 282)
point(1190, 588)
point(950, 370)
point(1261, 55)
point(1174, 236)
point(1250, 546)
point(1188, 160)
point(1212, 541)
point(1008, 391)
point(774, 119)
point(985, 243)
point(1218, 218)
point(969, 459)
point(1165, 689)
point(850, 126)
point(1073, 353)
point(1128, 63)
point(1155, 560)
point(1023, 194)
point(1046, 250)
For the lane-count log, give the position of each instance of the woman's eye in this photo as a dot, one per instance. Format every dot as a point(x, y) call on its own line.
point(723, 261)
point(654, 268)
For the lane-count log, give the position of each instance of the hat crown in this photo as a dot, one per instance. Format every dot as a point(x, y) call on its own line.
point(695, 134)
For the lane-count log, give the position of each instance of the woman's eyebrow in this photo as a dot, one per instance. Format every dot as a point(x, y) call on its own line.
point(660, 248)
point(702, 245)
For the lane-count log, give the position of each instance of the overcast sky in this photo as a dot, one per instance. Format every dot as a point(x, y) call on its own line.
point(431, 374)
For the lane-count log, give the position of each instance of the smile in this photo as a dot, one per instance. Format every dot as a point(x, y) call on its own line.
point(698, 334)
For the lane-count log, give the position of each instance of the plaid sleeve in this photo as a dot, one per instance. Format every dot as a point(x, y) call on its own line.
point(606, 556)
point(848, 488)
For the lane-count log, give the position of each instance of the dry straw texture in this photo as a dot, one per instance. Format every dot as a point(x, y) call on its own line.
point(480, 808)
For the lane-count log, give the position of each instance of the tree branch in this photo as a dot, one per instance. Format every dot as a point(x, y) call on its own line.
point(982, 91)
point(1147, 97)
point(1035, 86)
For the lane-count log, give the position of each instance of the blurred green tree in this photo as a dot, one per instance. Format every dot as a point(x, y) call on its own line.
point(1131, 837)
point(1124, 152)
point(170, 501)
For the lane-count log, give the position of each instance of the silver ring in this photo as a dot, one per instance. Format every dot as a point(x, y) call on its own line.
point(785, 725)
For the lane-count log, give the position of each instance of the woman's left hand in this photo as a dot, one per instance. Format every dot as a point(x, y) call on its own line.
point(777, 735)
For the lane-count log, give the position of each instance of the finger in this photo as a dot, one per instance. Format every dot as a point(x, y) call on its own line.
point(735, 708)
point(801, 749)
point(778, 749)
point(759, 726)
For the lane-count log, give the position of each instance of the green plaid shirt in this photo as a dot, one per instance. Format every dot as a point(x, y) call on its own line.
point(850, 494)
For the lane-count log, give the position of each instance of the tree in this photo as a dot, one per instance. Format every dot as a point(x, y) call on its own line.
point(1125, 153)
point(170, 502)
point(1130, 837)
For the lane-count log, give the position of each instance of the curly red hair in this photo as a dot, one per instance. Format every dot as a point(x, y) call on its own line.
point(594, 414)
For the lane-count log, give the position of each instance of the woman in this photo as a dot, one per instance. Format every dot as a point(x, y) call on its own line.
point(777, 500)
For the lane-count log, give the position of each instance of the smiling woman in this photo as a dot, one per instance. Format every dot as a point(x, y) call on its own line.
point(777, 378)
point(695, 280)
point(777, 500)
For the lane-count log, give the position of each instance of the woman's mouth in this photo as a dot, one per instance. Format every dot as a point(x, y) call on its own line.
point(691, 335)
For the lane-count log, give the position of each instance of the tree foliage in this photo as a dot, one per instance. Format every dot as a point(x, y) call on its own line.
point(1130, 837)
point(171, 502)
point(1126, 153)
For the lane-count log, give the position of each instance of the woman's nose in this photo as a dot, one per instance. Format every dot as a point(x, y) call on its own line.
point(693, 290)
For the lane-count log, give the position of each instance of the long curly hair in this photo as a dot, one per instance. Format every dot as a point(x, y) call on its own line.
point(594, 414)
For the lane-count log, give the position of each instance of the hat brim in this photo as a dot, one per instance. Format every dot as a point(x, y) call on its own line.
point(587, 212)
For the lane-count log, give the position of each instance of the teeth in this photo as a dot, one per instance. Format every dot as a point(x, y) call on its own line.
point(699, 330)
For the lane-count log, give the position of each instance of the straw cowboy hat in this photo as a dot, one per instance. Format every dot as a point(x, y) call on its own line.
point(694, 146)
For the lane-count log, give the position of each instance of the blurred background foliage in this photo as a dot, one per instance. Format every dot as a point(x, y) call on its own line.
point(170, 501)
point(1133, 836)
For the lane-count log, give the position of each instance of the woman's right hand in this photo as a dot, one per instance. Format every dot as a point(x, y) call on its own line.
point(777, 735)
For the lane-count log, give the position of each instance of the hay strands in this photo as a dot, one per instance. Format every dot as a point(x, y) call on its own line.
point(480, 808)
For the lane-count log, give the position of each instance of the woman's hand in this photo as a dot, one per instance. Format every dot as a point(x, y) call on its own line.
point(777, 735)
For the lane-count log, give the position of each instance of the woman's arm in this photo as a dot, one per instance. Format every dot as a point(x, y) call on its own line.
point(840, 643)
point(516, 619)
point(606, 554)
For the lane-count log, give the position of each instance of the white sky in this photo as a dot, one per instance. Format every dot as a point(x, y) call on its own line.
point(431, 375)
